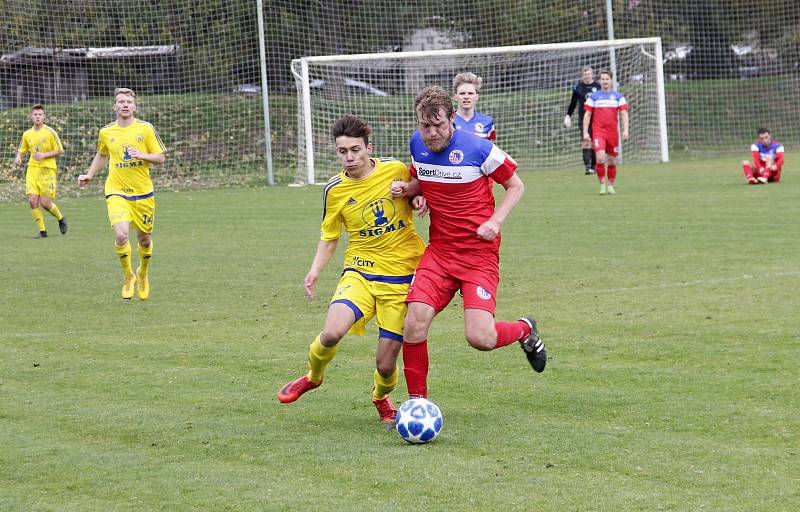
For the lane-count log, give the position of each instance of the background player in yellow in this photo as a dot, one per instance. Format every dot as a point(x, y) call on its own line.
point(382, 253)
point(129, 146)
point(43, 144)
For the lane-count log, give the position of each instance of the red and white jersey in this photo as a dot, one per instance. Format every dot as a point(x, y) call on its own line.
point(763, 152)
point(604, 107)
point(457, 184)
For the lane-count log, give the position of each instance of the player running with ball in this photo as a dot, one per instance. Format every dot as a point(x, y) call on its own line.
point(455, 172)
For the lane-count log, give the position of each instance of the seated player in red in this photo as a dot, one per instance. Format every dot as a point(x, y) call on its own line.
point(767, 160)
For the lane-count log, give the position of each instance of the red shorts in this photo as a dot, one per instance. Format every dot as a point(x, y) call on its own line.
point(772, 176)
point(440, 275)
point(608, 142)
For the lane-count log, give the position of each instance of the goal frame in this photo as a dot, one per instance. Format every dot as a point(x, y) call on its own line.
point(302, 75)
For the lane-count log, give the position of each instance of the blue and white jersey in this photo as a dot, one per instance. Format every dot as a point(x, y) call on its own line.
point(480, 125)
point(604, 107)
point(767, 152)
point(457, 185)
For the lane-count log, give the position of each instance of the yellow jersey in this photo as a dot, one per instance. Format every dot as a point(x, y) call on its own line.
point(383, 244)
point(43, 140)
point(128, 177)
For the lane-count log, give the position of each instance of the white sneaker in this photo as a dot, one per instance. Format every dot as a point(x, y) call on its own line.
point(611, 189)
point(603, 189)
point(762, 179)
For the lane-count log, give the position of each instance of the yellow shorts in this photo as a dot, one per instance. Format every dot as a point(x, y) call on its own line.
point(40, 181)
point(140, 213)
point(368, 299)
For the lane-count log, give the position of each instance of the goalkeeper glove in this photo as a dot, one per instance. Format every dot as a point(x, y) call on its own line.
point(567, 121)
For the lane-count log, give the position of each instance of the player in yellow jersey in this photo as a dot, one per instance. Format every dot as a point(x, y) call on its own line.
point(44, 146)
point(382, 253)
point(129, 146)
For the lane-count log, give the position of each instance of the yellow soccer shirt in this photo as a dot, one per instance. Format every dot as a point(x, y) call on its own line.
point(128, 177)
point(43, 140)
point(383, 242)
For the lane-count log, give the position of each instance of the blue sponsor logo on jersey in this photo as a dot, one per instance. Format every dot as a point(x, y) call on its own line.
point(127, 160)
point(378, 231)
point(379, 216)
point(379, 212)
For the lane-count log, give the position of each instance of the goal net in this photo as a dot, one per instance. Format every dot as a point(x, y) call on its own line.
point(526, 89)
point(194, 67)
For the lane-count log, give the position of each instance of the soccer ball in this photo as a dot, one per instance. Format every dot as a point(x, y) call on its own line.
point(419, 421)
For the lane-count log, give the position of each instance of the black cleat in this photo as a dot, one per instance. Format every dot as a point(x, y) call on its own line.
point(533, 346)
point(589, 170)
point(62, 225)
point(41, 234)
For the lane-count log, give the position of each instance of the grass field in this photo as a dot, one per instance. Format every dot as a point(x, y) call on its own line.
point(670, 312)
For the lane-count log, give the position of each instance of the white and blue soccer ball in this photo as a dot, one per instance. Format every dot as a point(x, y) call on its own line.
point(419, 421)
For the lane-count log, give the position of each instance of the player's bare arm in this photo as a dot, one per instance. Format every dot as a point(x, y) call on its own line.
point(625, 124)
point(18, 160)
point(98, 162)
point(405, 188)
point(587, 121)
point(401, 189)
point(47, 154)
point(151, 158)
point(325, 250)
point(514, 188)
point(420, 205)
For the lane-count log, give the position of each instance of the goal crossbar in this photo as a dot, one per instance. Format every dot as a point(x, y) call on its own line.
point(300, 69)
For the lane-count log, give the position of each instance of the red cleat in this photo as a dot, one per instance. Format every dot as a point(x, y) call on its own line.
point(292, 390)
point(386, 409)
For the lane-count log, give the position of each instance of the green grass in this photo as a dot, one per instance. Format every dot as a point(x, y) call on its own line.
point(670, 312)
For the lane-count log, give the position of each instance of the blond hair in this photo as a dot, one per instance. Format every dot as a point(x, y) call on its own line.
point(125, 91)
point(467, 78)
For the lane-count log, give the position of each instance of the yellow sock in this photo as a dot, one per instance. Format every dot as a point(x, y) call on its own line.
point(124, 254)
point(55, 212)
point(384, 386)
point(38, 218)
point(318, 359)
point(144, 257)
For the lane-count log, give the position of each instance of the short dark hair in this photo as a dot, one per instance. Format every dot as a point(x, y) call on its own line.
point(606, 72)
point(431, 100)
point(351, 126)
point(38, 106)
point(762, 131)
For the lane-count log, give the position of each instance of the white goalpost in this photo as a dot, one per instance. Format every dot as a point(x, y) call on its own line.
point(526, 89)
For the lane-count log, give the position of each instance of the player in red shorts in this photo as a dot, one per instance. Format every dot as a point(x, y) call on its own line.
point(767, 158)
point(601, 114)
point(455, 171)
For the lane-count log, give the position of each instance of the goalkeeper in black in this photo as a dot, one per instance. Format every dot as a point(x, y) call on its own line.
point(582, 89)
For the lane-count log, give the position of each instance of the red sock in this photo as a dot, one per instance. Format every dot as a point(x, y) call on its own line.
point(601, 172)
point(748, 171)
point(612, 174)
point(509, 332)
point(415, 368)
